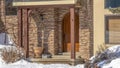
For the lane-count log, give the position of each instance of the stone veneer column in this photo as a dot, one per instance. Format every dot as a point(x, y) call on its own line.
point(2, 8)
point(53, 34)
point(51, 42)
point(86, 30)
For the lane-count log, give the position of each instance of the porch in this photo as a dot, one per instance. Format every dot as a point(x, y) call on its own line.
point(24, 10)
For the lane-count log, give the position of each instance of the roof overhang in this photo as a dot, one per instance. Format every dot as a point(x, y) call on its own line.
point(43, 2)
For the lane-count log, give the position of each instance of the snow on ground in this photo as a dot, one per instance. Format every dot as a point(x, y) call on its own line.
point(25, 64)
point(113, 64)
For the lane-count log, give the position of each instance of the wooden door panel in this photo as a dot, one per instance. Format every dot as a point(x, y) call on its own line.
point(67, 34)
point(69, 47)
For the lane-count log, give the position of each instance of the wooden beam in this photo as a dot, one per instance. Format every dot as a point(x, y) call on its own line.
point(72, 25)
point(26, 32)
point(19, 15)
point(47, 6)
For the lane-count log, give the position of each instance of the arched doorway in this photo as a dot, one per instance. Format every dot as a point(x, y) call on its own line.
point(66, 33)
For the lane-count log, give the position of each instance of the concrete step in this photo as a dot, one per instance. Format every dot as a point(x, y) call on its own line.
point(50, 60)
point(63, 56)
point(53, 60)
point(68, 53)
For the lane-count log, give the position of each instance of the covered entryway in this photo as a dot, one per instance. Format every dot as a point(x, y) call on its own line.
point(66, 33)
point(24, 9)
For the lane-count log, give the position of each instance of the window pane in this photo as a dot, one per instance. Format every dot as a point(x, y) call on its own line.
point(9, 9)
point(112, 3)
point(112, 32)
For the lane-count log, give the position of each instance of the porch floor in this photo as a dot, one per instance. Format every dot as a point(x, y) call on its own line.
point(62, 59)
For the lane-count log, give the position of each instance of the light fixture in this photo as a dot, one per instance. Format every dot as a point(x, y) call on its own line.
point(78, 4)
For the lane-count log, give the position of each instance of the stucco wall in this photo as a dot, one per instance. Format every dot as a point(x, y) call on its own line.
point(99, 23)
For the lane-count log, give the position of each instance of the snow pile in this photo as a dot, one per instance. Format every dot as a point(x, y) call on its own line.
point(113, 52)
point(5, 39)
point(113, 64)
point(79, 66)
point(92, 59)
point(57, 66)
point(113, 58)
point(20, 62)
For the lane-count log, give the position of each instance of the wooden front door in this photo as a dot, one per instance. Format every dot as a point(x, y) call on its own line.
point(66, 33)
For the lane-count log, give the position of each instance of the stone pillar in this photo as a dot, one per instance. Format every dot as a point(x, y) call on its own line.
point(86, 30)
point(51, 46)
point(53, 32)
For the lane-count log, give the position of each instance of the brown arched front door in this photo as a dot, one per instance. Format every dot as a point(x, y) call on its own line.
point(66, 33)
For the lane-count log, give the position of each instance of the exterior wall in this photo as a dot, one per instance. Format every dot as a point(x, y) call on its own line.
point(53, 29)
point(99, 21)
point(9, 25)
point(86, 30)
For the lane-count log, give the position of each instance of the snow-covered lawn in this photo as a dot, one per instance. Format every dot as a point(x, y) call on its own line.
point(25, 64)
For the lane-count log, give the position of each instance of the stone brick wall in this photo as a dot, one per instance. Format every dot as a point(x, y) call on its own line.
point(8, 24)
point(53, 29)
point(59, 15)
point(11, 27)
point(86, 30)
point(1, 7)
point(36, 28)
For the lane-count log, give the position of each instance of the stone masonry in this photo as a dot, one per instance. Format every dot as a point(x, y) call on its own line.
point(52, 26)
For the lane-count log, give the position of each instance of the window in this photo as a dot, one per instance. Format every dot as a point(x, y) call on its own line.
point(10, 10)
point(112, 30)
point(112, 3)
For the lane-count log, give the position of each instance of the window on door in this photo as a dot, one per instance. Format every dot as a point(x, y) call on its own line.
point(112, 30)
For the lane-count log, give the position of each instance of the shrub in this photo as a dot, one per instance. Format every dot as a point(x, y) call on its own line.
point(100, 56)
point(12, 54)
